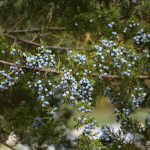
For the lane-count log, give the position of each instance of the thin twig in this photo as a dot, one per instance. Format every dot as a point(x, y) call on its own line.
point(38, 34)
point(77, 45)
point(61, 40)
point(35, 37)
point(13, 22)
point(35, 30)
point(10, 74)
point(46, 34)
point(20, 19)
point(16, 24)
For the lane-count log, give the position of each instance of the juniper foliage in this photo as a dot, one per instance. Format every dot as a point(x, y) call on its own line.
point(32, 115)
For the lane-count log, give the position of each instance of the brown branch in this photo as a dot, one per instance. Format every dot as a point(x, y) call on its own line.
point(117, 77)
point(35, 69)
point(14, 42)
point(138, 49)
point(45, 74)
point(109, 61)
point(35, 37)
point(57, 72)
point(77, 45)
point(124, 17)
point(46, 34)
point(38, 34)
point(9, 74)
point(39, 45)
point(61, 40)
point(8, 146)
point(146, 20)
point(35, 30)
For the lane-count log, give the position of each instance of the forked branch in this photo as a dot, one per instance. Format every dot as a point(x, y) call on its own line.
point(60, 72)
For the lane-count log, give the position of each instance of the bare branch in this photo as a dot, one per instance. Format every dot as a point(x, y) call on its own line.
point(61, 40)
point(13, 22)
point(35, 37)
point(46, 34)
point(35, 30)
point(19, 21)
point(16, 24)
point(60, 72)
point(39, 45)
point(77, 45)
point(37, 34)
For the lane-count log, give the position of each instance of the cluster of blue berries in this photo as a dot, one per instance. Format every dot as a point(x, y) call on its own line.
point(88, 126)
point(7, 82)
point(78, 58)
point(107, 137)
point(119, 61)
point(32, 62)
point(142, 37)
point(111, 25)
point(37, 123)
point(85, 88)
point(84, 92)
point(139, 96)
point(136, 100)
point(40, 59)
point(119, 52)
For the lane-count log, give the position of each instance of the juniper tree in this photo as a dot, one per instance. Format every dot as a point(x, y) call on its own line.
point(113, 57)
